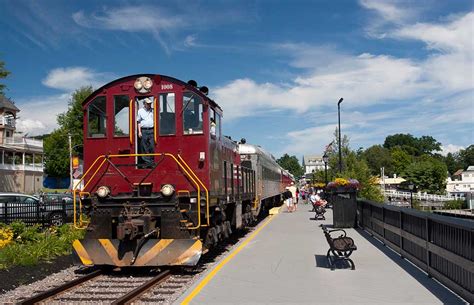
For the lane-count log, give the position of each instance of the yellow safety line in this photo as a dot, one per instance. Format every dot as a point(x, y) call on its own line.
point(202, 184)
point(216, 269)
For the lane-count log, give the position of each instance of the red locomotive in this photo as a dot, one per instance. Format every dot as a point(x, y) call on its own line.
point(197, 186)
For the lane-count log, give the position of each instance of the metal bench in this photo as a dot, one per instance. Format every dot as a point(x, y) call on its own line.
point(340, 247)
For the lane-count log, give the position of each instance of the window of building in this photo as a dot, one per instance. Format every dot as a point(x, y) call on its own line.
point(121, 115)
point(38, 160)
point(97, 118)
point(1, 156)
point(192, 113)
point(167, 120)
point(28, 159)
point(9, 158)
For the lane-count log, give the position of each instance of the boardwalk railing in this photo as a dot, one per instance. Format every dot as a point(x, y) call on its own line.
point(442, 246)
point(419, 196)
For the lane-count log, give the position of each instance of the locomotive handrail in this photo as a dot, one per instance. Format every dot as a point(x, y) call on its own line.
point(107, 157)
point(202, 184)
point(130, 122)
point(74, 190)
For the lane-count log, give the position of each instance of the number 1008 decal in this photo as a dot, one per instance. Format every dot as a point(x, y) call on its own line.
point(166, 86)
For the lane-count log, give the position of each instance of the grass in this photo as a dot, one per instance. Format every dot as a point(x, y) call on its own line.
point(31, 245)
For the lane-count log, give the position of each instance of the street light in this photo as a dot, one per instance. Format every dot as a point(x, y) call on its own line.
point(339, 129)
point(325, 160)
point(411, 186)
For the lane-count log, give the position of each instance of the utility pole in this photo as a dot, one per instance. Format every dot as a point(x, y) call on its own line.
point(70, 162)
point(339, 129)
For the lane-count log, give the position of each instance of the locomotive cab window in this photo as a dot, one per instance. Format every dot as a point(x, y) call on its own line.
point(167, 114)
point(121, 115)
point(192, 114)
point(97, 118)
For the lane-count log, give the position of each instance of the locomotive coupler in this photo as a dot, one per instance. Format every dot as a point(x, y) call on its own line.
point(141, 243)
point(133, 222)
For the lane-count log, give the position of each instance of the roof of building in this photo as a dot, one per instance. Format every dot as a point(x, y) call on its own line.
point(312, 158)
point(6, 103)
point(458, 172)
point(470, 168)
point(397, 180)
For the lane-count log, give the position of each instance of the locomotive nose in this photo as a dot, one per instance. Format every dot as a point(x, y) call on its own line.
point(155, 252)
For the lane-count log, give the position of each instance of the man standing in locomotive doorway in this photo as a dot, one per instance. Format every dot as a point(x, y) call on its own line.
point(146, 125)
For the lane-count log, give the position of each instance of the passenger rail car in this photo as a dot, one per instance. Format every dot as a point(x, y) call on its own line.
point(193, 195)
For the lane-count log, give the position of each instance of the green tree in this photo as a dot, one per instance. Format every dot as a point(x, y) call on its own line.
point(377, 157)
point(406, 142)
point(466, 157)
point(428, 174)
point(400, 160)
point(56, 146)
point(427, 145)
point(3, 74)
point(291, 164)
point(357, 168)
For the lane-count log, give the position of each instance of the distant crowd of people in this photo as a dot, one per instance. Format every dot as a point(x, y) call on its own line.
point(307, 194)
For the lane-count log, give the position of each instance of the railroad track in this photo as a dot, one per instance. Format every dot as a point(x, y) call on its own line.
point(109, 288)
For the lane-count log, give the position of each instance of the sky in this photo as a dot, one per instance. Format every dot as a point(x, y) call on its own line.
point(277, 68)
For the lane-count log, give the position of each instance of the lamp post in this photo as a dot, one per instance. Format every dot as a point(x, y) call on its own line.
point(411, 186)
point(325, 160)
point(339, 130)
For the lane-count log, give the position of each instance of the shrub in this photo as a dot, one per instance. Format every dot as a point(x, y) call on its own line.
point(455, 204)
point(29, 245)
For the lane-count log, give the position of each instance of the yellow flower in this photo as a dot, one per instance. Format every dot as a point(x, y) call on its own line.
point(341, 181)
point(6, 236)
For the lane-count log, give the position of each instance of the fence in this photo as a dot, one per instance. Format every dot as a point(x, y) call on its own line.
point(441, 246)
point(35, 213)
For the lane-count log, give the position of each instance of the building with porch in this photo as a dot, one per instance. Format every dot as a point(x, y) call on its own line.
point(21, 158)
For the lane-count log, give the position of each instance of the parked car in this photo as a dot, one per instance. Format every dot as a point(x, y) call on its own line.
point(29, 209)
point(56, 198)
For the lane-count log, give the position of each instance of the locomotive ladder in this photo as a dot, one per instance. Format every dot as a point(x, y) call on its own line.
point(107, 158)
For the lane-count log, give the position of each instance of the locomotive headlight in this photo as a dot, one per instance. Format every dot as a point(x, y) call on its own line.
point(138, 84)
point(103, 191)
point(147, 83)
point(167, 190)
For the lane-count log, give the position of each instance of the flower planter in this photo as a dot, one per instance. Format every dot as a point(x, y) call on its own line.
point(344, 206)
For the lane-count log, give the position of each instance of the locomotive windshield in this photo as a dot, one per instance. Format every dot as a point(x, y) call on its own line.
point(167, 114)
point(192, 113)
point(97, 116)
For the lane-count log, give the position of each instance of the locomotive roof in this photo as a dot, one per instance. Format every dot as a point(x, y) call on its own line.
point(168, 78)
point(254, 149)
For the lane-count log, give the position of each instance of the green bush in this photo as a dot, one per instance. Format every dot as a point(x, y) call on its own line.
point(32, 245)
point(455, 204)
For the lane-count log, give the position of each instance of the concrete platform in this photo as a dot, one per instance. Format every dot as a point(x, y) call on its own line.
point(285, 263)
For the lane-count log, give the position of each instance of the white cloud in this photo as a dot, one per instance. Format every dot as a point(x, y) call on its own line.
point(450, 148)
point(382, 94)
point(38, 115)
point(150, 19)
point(389, 10)
point(71, 78)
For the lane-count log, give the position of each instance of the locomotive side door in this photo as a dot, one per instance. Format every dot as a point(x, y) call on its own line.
point(138, 104)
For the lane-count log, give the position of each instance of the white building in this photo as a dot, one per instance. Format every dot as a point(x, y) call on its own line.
point(312, 163)
point(21, 158)
point(462, 182)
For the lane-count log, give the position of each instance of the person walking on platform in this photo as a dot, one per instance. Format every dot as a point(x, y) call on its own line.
point(287, 198)
point(292, 189)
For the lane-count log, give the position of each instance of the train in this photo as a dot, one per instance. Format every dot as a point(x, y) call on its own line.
point(200, 187)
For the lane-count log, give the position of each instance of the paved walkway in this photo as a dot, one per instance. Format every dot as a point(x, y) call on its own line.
point(285, 263)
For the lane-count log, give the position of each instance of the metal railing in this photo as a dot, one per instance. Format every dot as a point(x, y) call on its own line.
point(442, 246)
point(34, 213)
point(418, 196)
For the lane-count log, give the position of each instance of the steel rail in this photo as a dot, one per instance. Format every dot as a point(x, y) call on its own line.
point(57, 290)
point(135, 293)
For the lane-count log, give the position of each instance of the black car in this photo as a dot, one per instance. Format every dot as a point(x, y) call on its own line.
point(29, 209)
